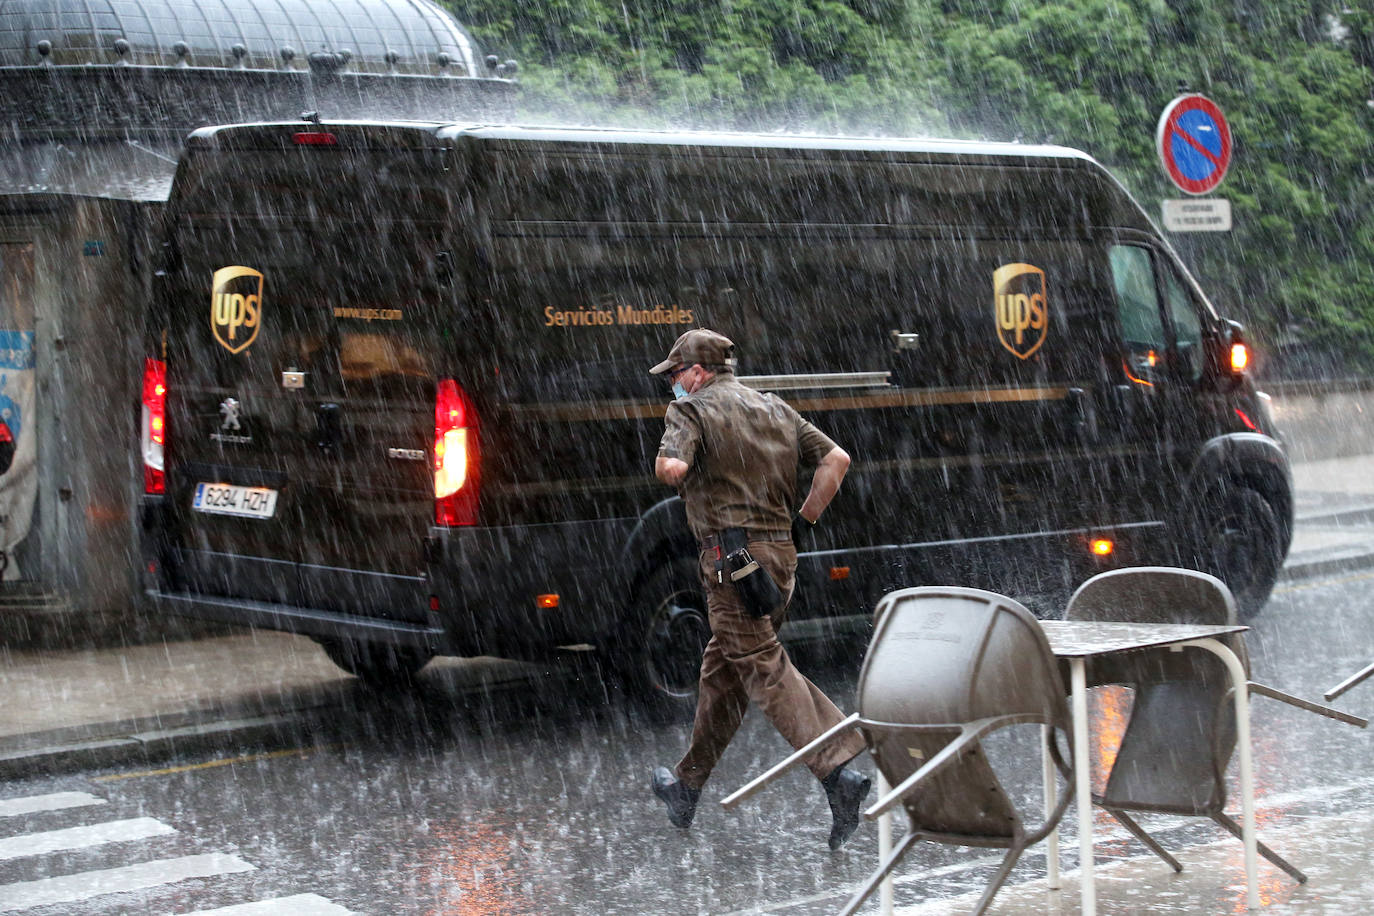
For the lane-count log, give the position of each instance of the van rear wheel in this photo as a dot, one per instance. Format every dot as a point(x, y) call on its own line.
point(665, 634)
point(377, 664)
point(1240, 541)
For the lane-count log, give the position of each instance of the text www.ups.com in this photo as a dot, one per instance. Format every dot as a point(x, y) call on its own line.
point(367, 314)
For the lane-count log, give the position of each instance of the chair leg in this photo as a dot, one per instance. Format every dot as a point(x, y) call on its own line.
point(1139, 833)
point(1008, 862)
point(911, 839)
point(1221, 818)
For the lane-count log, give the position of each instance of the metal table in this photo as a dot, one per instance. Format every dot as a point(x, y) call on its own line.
point(1079, 640)
point(1076, 641)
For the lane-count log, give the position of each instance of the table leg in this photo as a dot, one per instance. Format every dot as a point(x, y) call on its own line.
point(1082, 781)
point(885, 891)
point(1051, 776)
point(1239, 679)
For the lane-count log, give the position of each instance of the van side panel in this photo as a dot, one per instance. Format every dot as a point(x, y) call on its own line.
point(885, 267)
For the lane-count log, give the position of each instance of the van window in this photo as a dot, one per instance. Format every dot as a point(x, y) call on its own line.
point(1137, 303)
point(1187, 326)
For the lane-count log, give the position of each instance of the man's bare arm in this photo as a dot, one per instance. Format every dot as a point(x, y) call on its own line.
point(825, 484)
point(672, 470)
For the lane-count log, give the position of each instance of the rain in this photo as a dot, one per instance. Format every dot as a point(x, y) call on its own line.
point(1080, 289)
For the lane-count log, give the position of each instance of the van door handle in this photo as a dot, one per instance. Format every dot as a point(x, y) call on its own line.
point(1081, 415)
point(328, 427)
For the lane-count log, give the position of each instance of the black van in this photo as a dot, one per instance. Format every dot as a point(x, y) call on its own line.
point(400, 399)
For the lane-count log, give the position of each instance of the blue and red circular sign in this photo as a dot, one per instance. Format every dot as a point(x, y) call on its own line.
point(1194, 143)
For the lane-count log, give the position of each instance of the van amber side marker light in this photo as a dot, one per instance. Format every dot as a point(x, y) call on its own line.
point(1102, 547)
point(839, 572)
point(546, 602)
point(1139, 381)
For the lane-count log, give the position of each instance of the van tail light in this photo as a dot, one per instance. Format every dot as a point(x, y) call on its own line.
point(154, 426)
point(456, 456)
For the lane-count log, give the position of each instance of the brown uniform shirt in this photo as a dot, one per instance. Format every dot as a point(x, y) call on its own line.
point(744, 449)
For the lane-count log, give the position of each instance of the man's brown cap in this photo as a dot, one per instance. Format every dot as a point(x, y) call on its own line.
point(713, 351)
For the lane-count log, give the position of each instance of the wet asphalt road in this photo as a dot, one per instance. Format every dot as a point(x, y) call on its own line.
point(532, 797)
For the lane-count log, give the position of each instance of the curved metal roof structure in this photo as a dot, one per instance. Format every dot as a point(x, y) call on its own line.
point(362, 36)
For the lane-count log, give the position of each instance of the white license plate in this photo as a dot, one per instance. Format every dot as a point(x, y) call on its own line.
point(228, 499)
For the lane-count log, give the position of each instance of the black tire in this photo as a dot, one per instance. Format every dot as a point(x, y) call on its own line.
point(1238, 538)
point(657, 650)
point(377, 664)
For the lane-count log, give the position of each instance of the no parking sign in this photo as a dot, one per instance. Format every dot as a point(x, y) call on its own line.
point(1194, 143)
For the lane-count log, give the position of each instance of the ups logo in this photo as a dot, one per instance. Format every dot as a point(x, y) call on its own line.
point(1023, 315)
point(236, 307)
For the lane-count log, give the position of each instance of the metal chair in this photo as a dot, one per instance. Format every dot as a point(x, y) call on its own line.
point(946, 668)
point(1182, 730)
point(1357, 678)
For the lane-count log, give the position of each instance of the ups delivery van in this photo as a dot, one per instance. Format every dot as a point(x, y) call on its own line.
point(399, 399)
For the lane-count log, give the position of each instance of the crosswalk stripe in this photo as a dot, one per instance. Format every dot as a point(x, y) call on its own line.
point(33, 804)
point(298, 905)
point(84, 885)
point(37, 844)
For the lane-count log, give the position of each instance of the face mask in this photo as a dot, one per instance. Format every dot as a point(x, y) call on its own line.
point(678, 391)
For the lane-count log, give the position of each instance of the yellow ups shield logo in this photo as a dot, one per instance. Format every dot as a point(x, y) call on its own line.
point(1023, 314)
point(236, 307)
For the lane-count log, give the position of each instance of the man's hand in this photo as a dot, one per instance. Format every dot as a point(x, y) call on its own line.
point(670, 470)
point(825, 484)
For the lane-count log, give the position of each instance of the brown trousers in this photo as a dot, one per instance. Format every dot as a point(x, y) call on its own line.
point(745, 662)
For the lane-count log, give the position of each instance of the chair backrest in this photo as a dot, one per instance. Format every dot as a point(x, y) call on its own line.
point(1153, 594)
point(1159, 594)
point(940, 658)
point(1181, 733)
point(947, 655)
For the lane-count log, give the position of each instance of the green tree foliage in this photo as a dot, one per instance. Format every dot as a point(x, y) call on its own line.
point(1293, 76)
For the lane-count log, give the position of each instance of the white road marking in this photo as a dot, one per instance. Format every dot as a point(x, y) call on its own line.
point(37, 844)
point(299, 905)
point(84, 885)
point(34, 804)
point(1157, 823)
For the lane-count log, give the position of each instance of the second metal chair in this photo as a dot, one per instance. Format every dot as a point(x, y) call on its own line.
point(946, 668)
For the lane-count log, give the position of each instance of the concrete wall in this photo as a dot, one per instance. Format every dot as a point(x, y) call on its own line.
point(1321, 420)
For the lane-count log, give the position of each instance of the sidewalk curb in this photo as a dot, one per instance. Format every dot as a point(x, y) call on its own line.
point(148, 747)
point(1308, 569)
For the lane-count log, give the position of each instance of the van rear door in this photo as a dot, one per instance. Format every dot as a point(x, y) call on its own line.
point(301, 387)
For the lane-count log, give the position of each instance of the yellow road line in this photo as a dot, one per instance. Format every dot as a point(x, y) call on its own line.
point(1324, 583)
point(210, 764)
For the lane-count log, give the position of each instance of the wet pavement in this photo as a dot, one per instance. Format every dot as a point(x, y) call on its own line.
point(488, 743)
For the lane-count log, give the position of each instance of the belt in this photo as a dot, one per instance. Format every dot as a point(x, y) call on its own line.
point(712, 541)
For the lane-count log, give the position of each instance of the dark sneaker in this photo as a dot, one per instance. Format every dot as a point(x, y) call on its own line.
point(681, 801)
point(845, 790)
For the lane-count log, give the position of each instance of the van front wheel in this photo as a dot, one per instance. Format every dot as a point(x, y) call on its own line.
point(377, 664)
point(659, 650)
point(1239, 540)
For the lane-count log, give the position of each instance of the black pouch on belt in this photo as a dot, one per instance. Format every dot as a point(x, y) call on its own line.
point(757, 590)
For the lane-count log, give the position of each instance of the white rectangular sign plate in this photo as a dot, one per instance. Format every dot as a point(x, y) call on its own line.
point(1197, 214)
